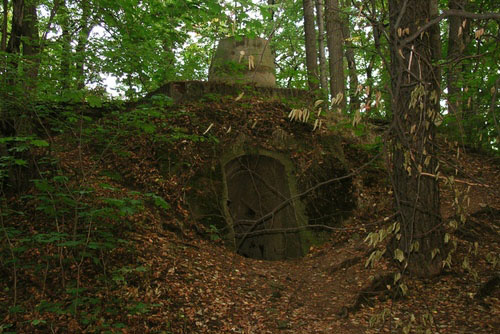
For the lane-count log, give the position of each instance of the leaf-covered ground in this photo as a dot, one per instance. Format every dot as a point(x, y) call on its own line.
point(212, 290)
point(171, 278)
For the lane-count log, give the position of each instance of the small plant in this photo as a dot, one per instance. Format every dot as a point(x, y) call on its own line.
point(214, 233)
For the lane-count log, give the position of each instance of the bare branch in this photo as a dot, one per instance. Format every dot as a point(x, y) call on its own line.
point(292, 198)
point(313, 226)
point(456, 180)
point(448, 13)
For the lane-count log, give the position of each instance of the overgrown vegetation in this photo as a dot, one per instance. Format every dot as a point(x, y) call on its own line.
point(88, 170)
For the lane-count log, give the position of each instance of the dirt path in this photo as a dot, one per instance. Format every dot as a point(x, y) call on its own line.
point(220, 292)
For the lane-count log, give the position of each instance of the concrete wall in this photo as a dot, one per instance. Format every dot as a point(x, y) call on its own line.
point(233, 57)
point(256, 183)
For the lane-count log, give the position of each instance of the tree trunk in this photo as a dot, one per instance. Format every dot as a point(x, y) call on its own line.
point(5, 18)
point(21, 74)
point(271, 2)
point(323, 76)
point(14, 44)
point(456, 46)
point(66, 47)
point(351, 65)
point(31, 44)
point(335, 48)
point(83, 37)
point(311, 51)
point(493, 104)
point(415, 103)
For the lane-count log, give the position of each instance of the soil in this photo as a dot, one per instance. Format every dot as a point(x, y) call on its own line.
point(192, 284)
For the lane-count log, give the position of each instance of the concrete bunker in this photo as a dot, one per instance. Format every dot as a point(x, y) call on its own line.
point(265, 222)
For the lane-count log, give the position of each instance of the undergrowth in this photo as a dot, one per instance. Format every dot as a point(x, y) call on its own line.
point(65, 252)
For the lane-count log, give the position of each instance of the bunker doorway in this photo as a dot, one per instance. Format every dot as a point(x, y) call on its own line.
point(258, 185)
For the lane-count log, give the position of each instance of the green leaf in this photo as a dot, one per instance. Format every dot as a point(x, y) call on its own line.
point(4, 140)
point(148, 128)
point(71, 243)
point(37, 322)
point(43, 185)
point(94, 101)
point(404, 289)
point(399, 255)
point(20, 162)
point(159, 201)
point(397, 277)
point(16, 309)
point(39, 143)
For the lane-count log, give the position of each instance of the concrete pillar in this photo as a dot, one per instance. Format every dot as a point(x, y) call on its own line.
point(242, 60)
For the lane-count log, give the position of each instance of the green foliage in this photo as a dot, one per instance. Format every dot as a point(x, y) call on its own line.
point(78, 225)
point(214, 233)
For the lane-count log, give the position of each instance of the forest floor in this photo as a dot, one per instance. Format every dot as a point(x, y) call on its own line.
point(212, 290)
point(176, 281)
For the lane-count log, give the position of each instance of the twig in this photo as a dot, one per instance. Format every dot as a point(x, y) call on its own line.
point(299, 228)
point(455, 180)
point(448, 13)
point(11, 249)
point(289, 200)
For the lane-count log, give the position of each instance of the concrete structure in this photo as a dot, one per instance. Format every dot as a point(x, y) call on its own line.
point(242, 60)
point(256, 184)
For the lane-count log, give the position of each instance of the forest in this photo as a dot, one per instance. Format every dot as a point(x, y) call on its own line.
point(250, 166)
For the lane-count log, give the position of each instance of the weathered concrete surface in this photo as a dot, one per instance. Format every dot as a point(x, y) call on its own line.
point(189, 91)
point(255, 185)
point(242, 60)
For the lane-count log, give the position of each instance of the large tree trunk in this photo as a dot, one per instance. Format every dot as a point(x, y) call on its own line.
point(415, 103)
point(335, 48)
point(31, 44)
point(21, 76)
point(323, 75)
point(24, 30)
point(16, 31)
point(311, 51)
point(5, 18)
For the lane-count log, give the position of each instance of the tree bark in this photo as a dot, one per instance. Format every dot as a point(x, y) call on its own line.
point(311, 50)
point(271, 2)
point(66, 47)
point(14, 44)
point(351, 65)
point(83, 37)
point(493, 104)
point(456, 46)
point(31, 44)
point(335, 48)
point(3, 40)
point(415, 103)
point(21, 74)
point(323, 76)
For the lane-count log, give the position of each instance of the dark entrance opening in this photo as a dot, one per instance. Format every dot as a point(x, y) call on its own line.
point(256, 186)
